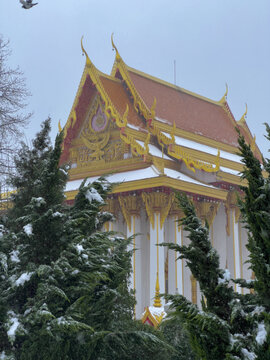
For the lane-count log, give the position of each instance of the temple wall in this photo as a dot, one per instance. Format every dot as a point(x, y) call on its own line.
point(226, 234)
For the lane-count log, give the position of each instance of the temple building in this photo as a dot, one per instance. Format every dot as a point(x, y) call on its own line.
point(154, 138)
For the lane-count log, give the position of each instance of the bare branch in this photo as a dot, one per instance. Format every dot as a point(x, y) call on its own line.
point(13, 101)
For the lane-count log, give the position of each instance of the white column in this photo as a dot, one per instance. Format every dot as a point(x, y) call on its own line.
point(179, 278)
point(135, 276)
point(236, 249)
point(156, 258)
point(220, 236)
point(175, 268)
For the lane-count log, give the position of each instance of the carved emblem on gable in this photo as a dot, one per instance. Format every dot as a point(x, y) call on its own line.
point(95, 143)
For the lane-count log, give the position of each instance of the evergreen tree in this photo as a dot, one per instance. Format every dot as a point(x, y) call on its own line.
point(230, 325)
point(175, 334)
point(64, 281)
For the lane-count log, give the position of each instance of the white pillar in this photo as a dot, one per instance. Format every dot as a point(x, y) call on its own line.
point(175, 268)
point(236, 249)
point(156, 258)
point(135, 276)
point(179, 278)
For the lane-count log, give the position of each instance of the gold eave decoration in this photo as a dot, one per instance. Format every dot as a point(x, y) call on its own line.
point(110, 110)
point(149, 115)
point(242, 120)
point(193, 164)
point(164, 181)
point(223, 100)
point(157, 201)
point(119, 64)
point(153, 319)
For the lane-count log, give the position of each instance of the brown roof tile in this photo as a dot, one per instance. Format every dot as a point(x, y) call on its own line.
point(189, 112)
point(120, 99)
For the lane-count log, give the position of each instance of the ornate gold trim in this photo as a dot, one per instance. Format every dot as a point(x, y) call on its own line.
point(207, 211)
point(223, 100)
point(242, 120)
point(195, 137)
point(119, 64)
point(230, 204)
point(111, 206)
point(157, 302)
point(149, 115)
point(129, 206)
point(165, 181)
point(191, 163)
point(155, 320)
point(110, 109)
point(157, 202)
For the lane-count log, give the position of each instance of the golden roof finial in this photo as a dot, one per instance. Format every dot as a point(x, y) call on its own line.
point(224, 97)
point(88, 61)
point(243, 118)
point(157, 302)
point(118, 57)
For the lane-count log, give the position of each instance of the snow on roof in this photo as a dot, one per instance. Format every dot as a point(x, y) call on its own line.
point(147, 173)
point(153, 150)
point(204, 148)
point(229, 171)
point(178, 175)
point(117, 178)
point(134, 127)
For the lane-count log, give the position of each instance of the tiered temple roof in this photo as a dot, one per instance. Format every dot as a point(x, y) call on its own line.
point(152, 133)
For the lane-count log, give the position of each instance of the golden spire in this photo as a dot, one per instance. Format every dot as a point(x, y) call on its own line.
point(224, 97)
point(243, 118)
point(157, 302)
point(118, 57)
point(88, 61)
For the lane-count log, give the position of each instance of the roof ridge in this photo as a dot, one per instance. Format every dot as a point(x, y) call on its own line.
point(175, 87)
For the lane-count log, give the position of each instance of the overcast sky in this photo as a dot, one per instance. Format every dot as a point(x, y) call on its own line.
point(212, 41)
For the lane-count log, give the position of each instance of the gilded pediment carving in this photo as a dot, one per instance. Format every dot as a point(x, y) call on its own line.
point(98, 141)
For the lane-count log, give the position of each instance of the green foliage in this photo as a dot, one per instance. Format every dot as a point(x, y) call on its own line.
point(176, 335)
point(230, 325)
point(63, 280)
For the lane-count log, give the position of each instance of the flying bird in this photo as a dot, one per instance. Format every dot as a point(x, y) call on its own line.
point(27, 4)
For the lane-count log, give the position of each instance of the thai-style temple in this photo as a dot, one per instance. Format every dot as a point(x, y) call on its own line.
point(155, 138)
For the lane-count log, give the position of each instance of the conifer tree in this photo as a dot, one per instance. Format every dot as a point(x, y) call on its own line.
point(63, 281)
point(230, 325)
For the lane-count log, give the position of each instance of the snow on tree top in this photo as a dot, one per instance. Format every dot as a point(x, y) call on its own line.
point(79, 248)
point(261, 334)
point(14, 256)
point(13, 320)
point(248, 355)
point(28, 229)
point(93, 195)
point(258, 310)
point(23, 278)
point(63, 171)
point(1, 230)
point(226, 277)
point(39, 200)
point(57, 214)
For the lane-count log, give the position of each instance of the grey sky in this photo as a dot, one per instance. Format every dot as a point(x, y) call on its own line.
point(212, 41)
